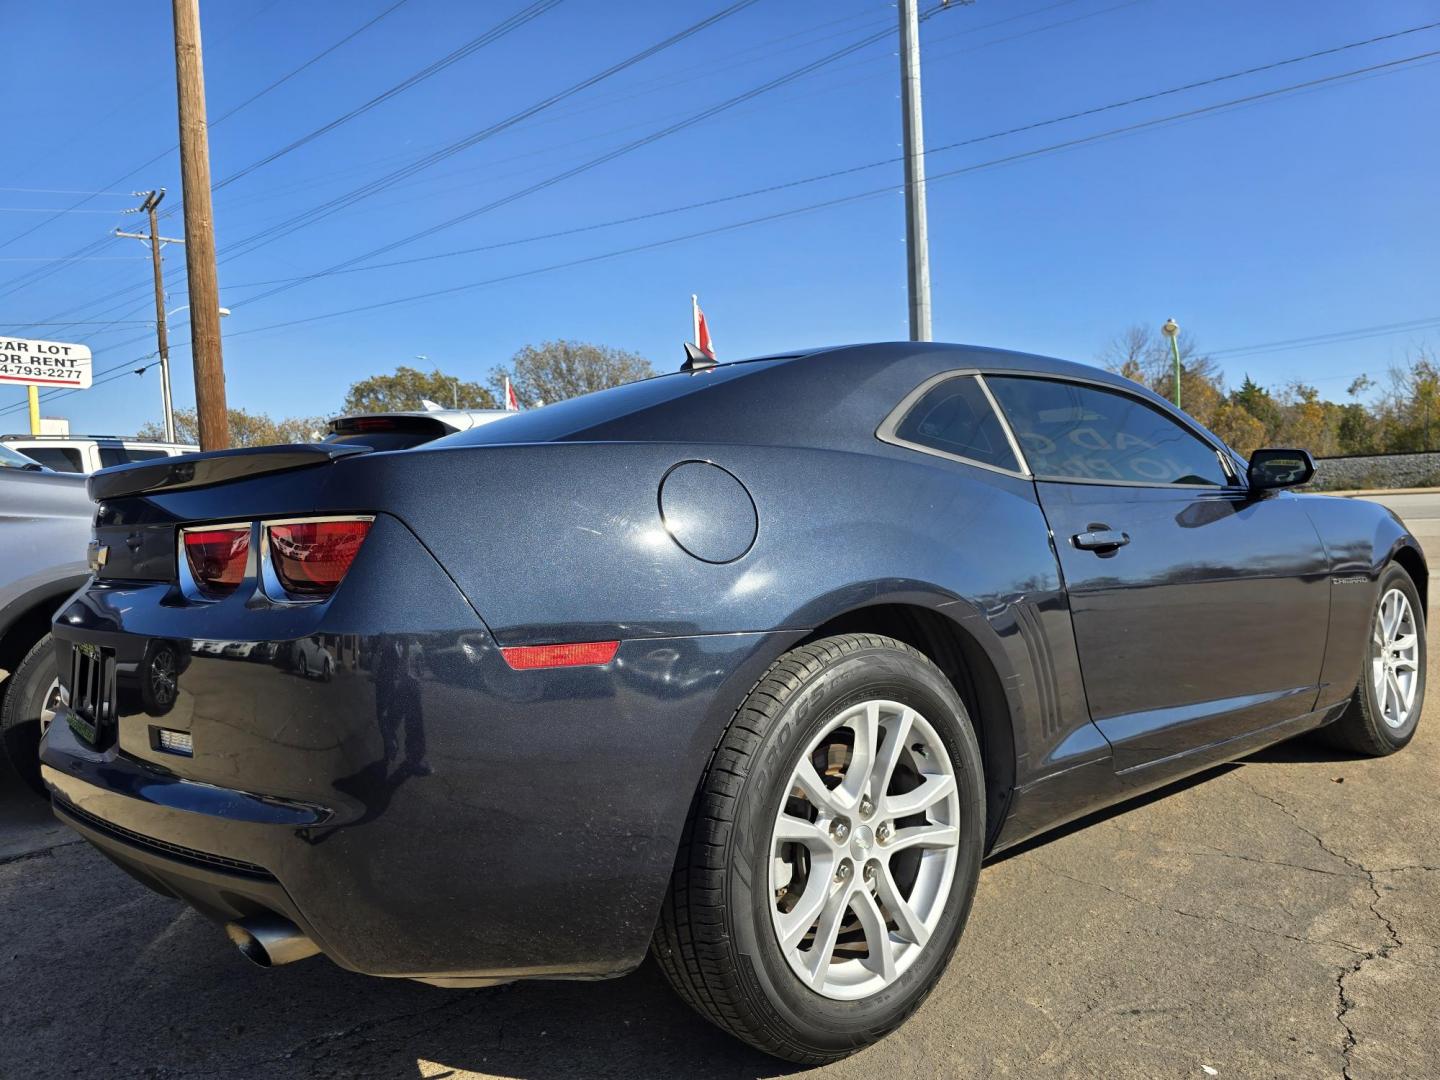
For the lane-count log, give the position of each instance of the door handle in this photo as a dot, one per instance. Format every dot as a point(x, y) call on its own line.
point(1100, 540)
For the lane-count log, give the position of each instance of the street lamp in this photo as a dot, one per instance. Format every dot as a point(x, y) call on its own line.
point(165, 372)
point(454, 383)
point(1171, 330)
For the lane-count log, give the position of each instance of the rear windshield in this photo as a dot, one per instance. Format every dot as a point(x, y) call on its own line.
point(573, 418)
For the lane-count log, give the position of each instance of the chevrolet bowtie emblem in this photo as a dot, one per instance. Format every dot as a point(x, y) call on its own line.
point(97, 555)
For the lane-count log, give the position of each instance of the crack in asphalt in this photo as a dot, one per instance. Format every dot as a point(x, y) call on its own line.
point(358, 1036)
point(1345, 1001)
point(1219, 854)
point(39, 853)
point(1201, 916)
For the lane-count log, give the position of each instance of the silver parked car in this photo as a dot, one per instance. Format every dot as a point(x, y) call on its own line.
point(45, 521)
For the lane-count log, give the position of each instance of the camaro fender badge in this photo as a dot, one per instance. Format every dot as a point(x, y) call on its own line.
point(1361, 580)
point(98, 555)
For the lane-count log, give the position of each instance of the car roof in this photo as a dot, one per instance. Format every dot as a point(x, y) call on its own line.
point(98, 440)
point(831, 397)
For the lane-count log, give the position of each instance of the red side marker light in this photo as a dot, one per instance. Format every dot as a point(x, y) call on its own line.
point(578, 654)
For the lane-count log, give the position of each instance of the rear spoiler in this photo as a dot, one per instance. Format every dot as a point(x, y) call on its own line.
point(213, 467)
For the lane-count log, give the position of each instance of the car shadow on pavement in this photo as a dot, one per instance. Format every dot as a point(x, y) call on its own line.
point(1108, 812)
point(1305, 749)
point(631, 1027)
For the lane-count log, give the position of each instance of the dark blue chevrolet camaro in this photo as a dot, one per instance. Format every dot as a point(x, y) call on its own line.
point(748, 665)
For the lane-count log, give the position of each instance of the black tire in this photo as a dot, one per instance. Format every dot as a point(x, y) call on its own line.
point(25, 692)
point(715, 940)
point(1362, 729)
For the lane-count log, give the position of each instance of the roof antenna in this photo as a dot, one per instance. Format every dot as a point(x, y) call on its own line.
point(695, 360)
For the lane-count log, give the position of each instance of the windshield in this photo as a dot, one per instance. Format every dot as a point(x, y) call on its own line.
point(9, 459)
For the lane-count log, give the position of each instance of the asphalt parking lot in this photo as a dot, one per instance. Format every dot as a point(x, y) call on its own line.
point(1278, 917)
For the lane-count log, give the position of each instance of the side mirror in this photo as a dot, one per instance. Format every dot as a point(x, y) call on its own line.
point(1276, 468)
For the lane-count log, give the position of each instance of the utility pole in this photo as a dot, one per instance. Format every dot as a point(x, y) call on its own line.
point(162, 338)
point(917, 240)
point(214, 421)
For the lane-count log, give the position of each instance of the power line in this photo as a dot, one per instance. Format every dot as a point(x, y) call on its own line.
point(1070, 143)
point(52, 210)
point(1311, 84)
point(475, 44)
point(844, 199)
point(307, 64)
point(1332, 338)
point(567, 174)
point(836, 173)
point(63, 191)
point(500, 30)
point(317, 213)
point(220, 119)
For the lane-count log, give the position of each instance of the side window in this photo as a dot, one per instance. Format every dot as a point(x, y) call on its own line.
point(955, 417)
point(60, 458)
point(1069, 430)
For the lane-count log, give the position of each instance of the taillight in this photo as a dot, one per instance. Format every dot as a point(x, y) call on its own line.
point(217, 557)
point(574, 654)
point(310, 557)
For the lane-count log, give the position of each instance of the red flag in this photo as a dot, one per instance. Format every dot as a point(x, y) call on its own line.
point(702, 329)
point(512, 403)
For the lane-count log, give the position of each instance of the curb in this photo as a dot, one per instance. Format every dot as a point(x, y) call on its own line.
point(1362, 492)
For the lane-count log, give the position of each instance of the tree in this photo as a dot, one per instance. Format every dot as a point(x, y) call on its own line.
point(246, 429)
point(1258, 402)
point(1306, 421)
point(1409, 409)
point(1143, 356)
point(557, 370)
point(1242, 431)
point(403, 391)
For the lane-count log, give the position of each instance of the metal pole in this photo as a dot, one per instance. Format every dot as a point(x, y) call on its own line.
point(214, 420)
point(1171, 330)
point(162, 334)
point(1175, 349)
point(34, 399)
point(917, 242)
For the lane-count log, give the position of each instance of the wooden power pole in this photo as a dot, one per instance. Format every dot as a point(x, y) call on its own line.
point(214, 421)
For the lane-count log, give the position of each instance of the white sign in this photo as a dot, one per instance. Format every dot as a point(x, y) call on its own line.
point(44, 363)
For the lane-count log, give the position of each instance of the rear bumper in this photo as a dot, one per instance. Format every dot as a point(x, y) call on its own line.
point(417, 808)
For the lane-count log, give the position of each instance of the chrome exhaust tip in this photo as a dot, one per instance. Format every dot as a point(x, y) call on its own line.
point(269, 940)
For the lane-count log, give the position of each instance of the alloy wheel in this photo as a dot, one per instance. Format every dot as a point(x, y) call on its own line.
point(1395, 659)
point(163, 677)
point(864, 849)
point(50, 705)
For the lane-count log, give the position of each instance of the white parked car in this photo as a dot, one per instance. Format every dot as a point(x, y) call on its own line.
point(86, 453)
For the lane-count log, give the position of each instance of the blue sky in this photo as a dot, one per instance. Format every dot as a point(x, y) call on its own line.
point(1298, 215)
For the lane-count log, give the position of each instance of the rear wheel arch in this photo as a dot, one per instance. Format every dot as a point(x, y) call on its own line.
point(1409, 559)
point(968, 666)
